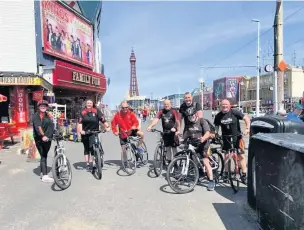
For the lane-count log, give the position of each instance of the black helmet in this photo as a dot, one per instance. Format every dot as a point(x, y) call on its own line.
point(43, 102)
point(191, 114)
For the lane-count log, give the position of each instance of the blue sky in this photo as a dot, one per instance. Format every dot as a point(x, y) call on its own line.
point(172, 39)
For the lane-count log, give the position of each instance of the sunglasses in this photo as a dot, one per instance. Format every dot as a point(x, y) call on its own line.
point(124, 107)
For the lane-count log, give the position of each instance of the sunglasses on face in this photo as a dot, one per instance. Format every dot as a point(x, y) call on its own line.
point(124, 107)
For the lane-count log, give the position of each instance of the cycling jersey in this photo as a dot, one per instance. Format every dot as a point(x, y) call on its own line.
point(90, 119)
point(168, 118)
point(124, 121)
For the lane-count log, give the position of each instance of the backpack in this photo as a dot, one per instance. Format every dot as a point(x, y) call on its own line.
point(211, 126)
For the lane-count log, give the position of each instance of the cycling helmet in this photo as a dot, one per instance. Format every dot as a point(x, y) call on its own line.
point(191, 115)
point(43, 102)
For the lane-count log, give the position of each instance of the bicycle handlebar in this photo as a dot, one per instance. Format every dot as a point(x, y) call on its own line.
point(95, 132)
point(161, 132)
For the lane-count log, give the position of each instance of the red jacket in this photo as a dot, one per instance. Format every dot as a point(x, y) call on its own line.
point(124, 121)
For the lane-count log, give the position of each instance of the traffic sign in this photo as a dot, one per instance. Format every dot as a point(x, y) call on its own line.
point(282, 66)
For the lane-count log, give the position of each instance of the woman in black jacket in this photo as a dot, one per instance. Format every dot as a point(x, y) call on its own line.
point(90, 119)
point(43, 128)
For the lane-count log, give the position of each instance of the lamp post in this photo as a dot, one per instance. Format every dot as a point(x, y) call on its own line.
point(202, 87)
point(240, 83)
point(257, 105)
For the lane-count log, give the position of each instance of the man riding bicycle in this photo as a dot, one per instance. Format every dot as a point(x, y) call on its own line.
point(127, 124)
point(198, 128)
point(171, 128)
point(229, 120)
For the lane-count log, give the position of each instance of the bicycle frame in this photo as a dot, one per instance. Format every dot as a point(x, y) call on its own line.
point(232, 154)
point(190, 151)
point(60, 149)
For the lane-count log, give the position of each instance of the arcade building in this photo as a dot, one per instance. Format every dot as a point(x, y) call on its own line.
point(60, 60)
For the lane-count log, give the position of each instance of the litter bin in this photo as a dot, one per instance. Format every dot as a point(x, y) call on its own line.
point(280, 186)
point(266, 124)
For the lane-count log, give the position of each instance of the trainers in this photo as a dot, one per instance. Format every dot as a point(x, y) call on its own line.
point(88, 168)
point(47, 179)
point(225, 177)
point(139, 150)
point(244, 178)
point(211, 185)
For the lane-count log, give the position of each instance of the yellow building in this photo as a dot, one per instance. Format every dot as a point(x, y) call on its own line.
point(293, 89)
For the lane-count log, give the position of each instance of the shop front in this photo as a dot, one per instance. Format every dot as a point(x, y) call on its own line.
point(21, 92)
point(73, 85)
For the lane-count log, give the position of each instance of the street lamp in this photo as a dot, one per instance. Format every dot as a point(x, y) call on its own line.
point(257, 105)
point(202, 86)
point(240, 83)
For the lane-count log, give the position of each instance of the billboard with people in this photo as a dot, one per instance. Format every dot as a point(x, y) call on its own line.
point(65, 35)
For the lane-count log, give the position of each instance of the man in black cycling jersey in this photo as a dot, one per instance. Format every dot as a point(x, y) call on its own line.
point(198, 128)
point(229, 121)
point(171, 128)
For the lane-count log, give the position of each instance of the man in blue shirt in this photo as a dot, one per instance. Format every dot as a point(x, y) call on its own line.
point(294, 116)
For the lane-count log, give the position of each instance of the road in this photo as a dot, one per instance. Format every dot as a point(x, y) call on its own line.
point(116, 202)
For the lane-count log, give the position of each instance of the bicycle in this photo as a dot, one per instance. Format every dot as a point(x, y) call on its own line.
point(187, 164)
point(160, 151)
point(61, 165)
point(132, 155)
point(97, 152)
point(234, 170)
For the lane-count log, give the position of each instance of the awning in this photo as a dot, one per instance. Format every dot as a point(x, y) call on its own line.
point(26, 80)
point(3, 98)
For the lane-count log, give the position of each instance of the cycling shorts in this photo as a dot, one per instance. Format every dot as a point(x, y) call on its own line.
point(123, 141)
point(203, 150)
point(238, 143)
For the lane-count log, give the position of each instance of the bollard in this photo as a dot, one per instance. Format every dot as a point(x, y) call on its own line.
point(279, 180)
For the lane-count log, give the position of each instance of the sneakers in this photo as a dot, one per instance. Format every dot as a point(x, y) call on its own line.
point(88, 168)
point(47, 179)
point(244, 178)
point(211, 185)
point(139, 150)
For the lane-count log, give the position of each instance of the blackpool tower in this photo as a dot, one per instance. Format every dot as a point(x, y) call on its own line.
point(133, 79)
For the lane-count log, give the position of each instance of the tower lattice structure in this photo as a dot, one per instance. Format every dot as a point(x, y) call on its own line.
point(133, 79)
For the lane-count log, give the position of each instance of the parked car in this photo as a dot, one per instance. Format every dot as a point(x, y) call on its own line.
point(252, 114)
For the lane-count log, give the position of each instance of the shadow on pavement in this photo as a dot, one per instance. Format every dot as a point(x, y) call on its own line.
point(80, 165)
point(55, 188)
point(236, 215)
point(113, 163)
point(37, 170)
point(120, 171)
point(166, 189)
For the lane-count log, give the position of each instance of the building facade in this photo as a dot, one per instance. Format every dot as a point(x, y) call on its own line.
point(54, 53)
point(293, 89)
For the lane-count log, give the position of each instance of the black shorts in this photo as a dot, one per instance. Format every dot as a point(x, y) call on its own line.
point(87, 141)
point(169, 140)
point(123, 141)
point(236, 143)
point(203, 150)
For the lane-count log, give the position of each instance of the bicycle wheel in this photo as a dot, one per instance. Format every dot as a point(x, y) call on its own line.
point(158, 160)
point(97, 159)
point(234, 176)
point(62, 171)
point(129, 160)
point(217, 165)
point(178, 170)
point(144, 157)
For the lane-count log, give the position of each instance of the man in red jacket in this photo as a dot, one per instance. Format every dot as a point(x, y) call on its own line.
point(127, 124)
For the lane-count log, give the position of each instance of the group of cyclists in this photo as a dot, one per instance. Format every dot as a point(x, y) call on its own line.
point(125, 123)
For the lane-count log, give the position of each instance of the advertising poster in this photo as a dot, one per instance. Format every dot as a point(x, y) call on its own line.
point(19, 104)
point(219, 89)
point(232, 86)
point(65, 35)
